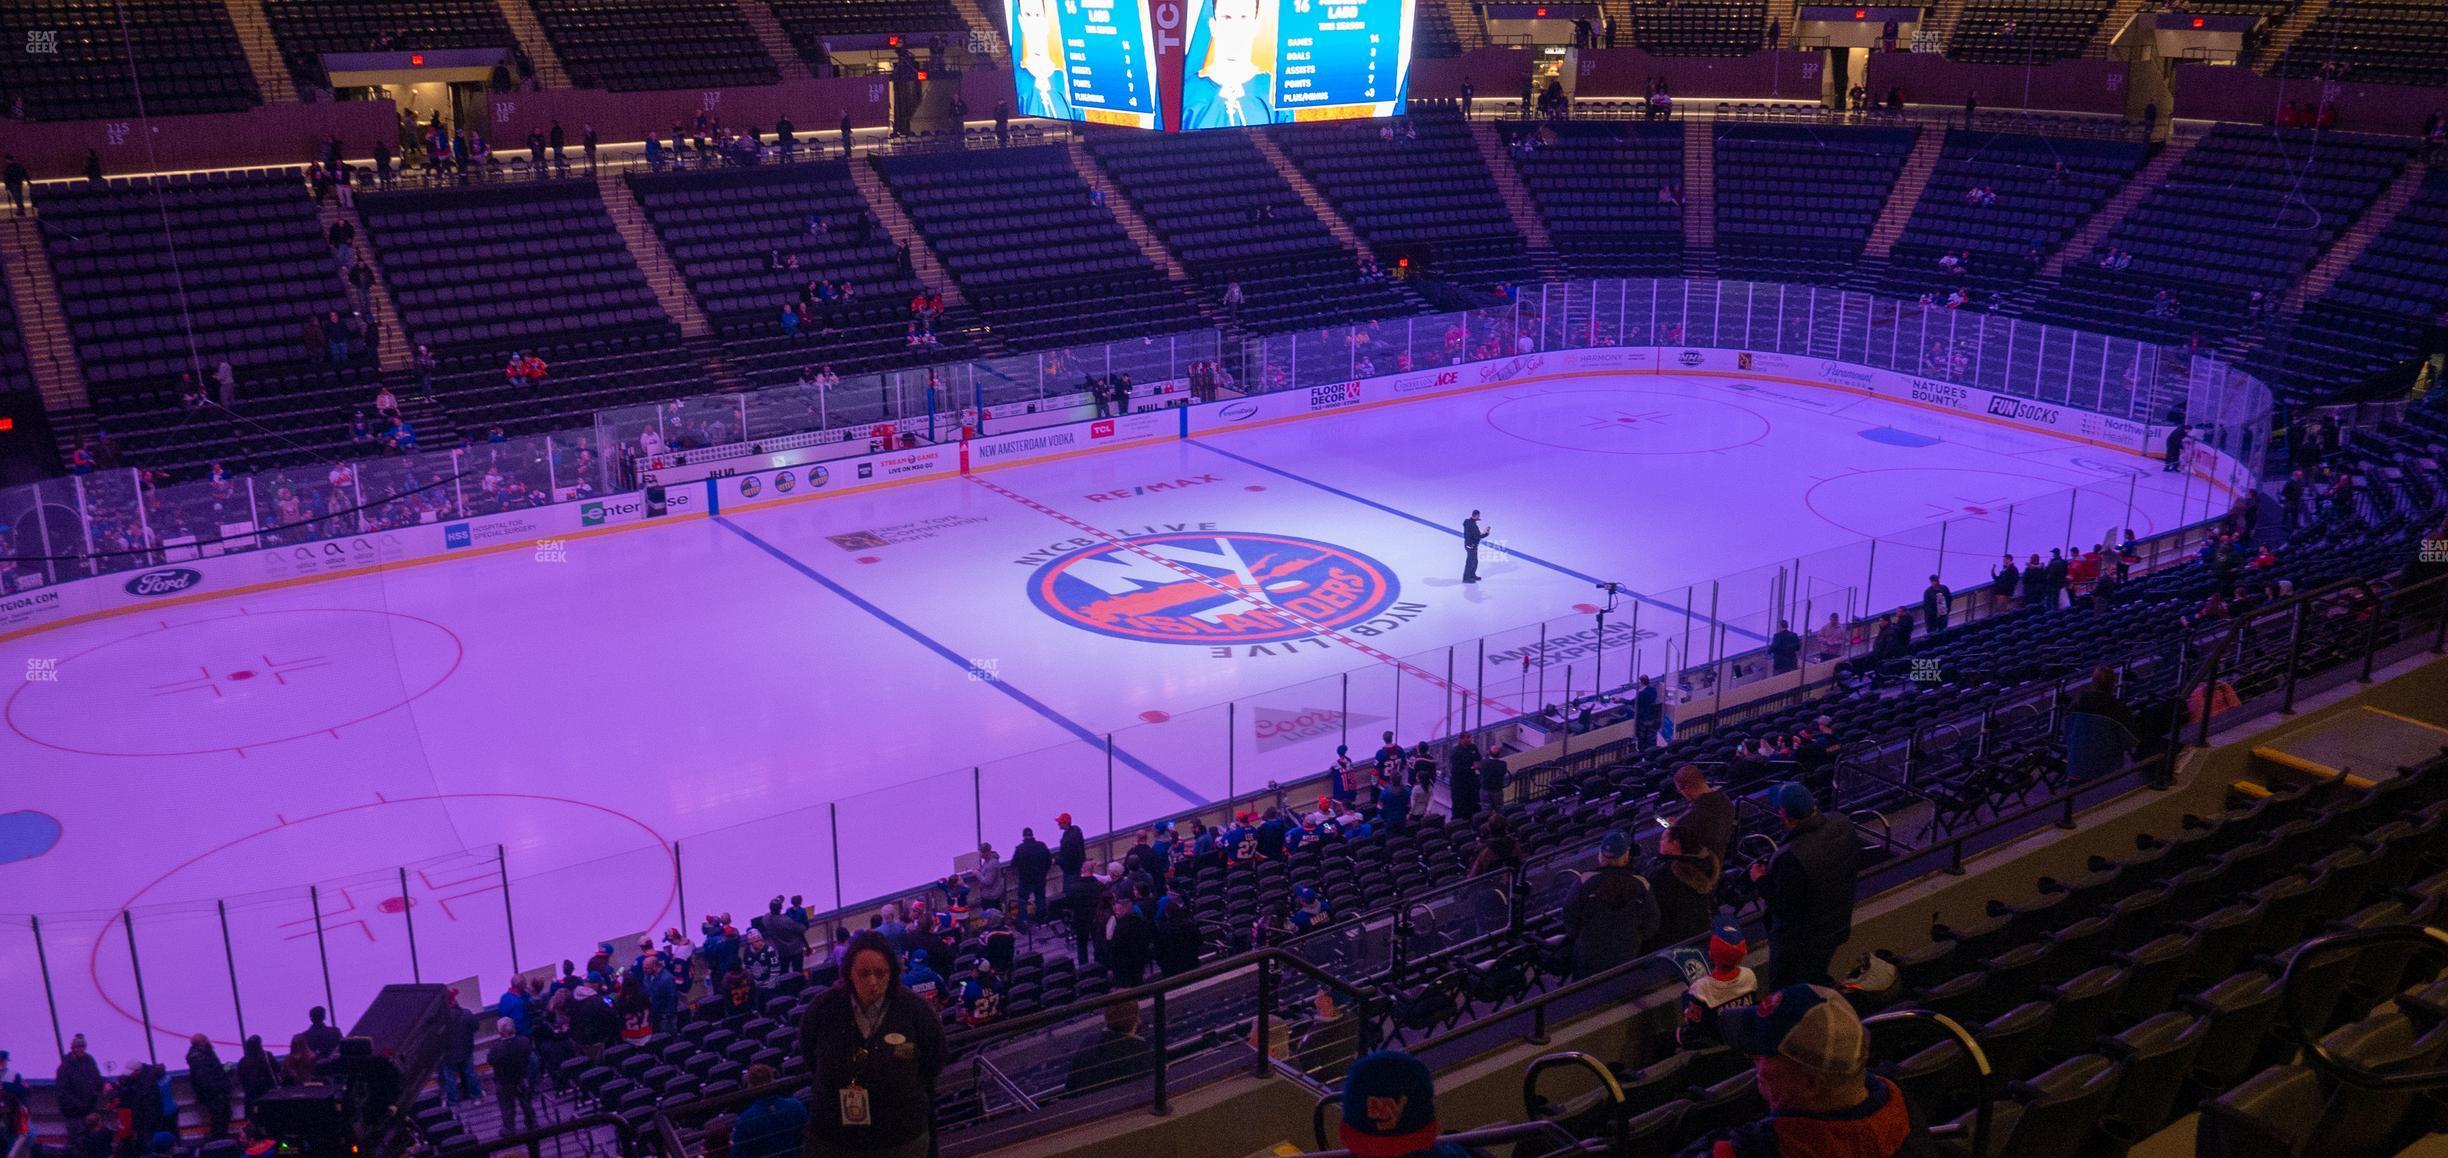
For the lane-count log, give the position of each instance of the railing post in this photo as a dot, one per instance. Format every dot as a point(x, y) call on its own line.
point(416, 971)
point(2439, 635)
point(2209, 692)
point(501, 869)
point(833, 824)
point(144, 1007)
point(1109, 792)
point(1232, 752)
point(59, 1041)
point(2371, 645)
point(1156, 1031)
point(1343, 718)
point(314, 896)
point(1266, 1009)
point(229, 956)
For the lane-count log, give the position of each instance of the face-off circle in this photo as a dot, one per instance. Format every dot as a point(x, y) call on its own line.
point(1616, 421)
point(453, 892)
point(234, 682)
point(1213, 588)
point(1866, 503)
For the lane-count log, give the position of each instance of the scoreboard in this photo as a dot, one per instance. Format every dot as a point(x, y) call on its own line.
point(1208, 64)
point(1083, 60)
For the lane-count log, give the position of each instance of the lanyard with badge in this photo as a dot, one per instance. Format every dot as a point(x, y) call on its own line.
point(856, 1109)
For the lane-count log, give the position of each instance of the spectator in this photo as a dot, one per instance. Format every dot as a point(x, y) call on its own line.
point(772, 1126)
point(1118, 1055)
point(1072, 854)
point(1811, 1054)
point(14, 175)
point(873, 1051)
point(16, 1121)
point(788, 937)
point(257, 1076)
point(2004, 580)
point(459, 1054)
point(2099, 731)
point(1389, 1109)
point(209, 1081)
point(1130, 943)
point(662, 996)
point(1831, 640)
point(1728, 984)
point(921, 979)
point(324, 1039)
point(1327, 1046)
point(1784, 649)
point(1498, 850)
point(1936, 601)
point(1030, 862)
point(1612, 914)
point(1711, 815)
point(1684, 884)
point(93, 166)
point(1808, 888)
point(1647, 713)
point(512, 1060)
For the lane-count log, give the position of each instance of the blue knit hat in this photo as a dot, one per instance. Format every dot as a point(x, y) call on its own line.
point(1389, 1106)
point(1795, 800)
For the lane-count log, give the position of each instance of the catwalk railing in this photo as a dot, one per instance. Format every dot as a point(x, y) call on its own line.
point(1703, 642)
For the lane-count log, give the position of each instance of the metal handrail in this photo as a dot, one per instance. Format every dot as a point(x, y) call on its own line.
point(1587, 1061)
point(1983, 1075)
point(2424, 937)
point(625, 1131)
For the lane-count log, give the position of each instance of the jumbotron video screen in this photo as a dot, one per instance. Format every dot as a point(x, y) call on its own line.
point(1209, 64)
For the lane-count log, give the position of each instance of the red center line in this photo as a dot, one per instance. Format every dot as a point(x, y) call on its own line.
point(1434, 680)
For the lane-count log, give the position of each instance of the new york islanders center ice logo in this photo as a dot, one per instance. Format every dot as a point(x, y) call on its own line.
point(1213, 588)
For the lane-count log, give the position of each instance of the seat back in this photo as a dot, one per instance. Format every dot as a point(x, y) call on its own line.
point(2157, 1054)
point(2272, 1115)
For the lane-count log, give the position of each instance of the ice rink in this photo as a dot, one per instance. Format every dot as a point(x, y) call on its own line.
point(847, 691)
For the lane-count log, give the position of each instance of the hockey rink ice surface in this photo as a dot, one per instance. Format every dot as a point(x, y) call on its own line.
point(905, 667)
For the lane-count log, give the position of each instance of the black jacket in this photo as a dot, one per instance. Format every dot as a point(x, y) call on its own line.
point(1134, 944)
point(1683, 911)
point(513, 1060)
point(206, 1075)
point(1609, 919)
point(1032, 861)
point(79, 1086)
point(897, 1067)
point(1809, 886)
point(459, 1036)
point(1711, 820)
point(1074, 851)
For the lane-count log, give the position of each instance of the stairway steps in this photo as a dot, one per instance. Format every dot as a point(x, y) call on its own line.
point(670, 289)
point(897, 224)
point(530, 34)
point(768, 27)
point(51, 355)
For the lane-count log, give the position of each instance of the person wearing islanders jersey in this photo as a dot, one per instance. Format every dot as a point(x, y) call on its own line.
point(1233, 48)
point(1811, 1053)
point(1728, 984)
point(1037, 63)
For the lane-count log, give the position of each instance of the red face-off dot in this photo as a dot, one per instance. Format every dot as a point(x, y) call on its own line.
point(869, 559)
point(1586, 608)
point(395, 904)
point(1155, 715)
point(1253, 487)
point(242, 675)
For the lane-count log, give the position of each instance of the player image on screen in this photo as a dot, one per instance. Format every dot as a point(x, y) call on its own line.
point(1037, 61)
point(1231, 64)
